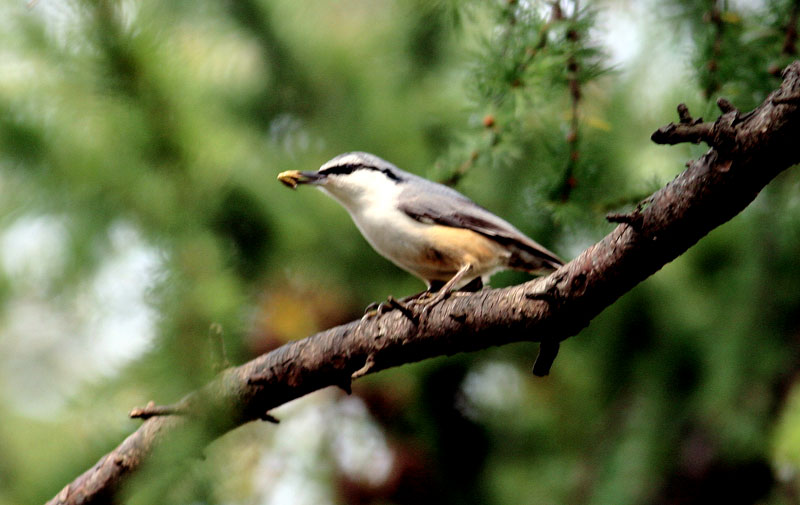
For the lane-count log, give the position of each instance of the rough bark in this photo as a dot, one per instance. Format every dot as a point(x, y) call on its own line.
point(747, 151)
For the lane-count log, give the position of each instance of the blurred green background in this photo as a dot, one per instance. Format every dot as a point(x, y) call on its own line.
point(139, 215)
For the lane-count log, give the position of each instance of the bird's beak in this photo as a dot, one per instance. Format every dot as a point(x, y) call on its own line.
point(292, 178)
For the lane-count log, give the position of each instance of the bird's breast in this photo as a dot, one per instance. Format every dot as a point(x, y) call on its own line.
point(429, 251)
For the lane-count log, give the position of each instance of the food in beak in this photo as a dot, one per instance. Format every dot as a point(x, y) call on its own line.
point(290, 178)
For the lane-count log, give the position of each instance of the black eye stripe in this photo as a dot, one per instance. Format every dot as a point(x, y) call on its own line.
point(342, 169)
point(352, 167)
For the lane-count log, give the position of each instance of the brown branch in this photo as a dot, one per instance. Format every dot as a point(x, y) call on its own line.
point(708, 193)
point(722, 134)
point(633, 219)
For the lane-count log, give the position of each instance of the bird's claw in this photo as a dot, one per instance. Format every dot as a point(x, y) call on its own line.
point(375, 309)
point(405, 308)
point(378, 309)
point(429, 302)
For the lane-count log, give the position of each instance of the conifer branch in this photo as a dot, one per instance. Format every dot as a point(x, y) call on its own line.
point(712, 190)
point(533, 51)
point(574, 86)
point(489, 120)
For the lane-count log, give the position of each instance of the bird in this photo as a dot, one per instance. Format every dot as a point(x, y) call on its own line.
point(428, 229)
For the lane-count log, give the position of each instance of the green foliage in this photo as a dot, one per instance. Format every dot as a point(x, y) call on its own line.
point(142, 229)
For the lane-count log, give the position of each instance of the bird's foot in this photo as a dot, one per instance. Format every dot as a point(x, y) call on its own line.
point(432, 300)
point(403, 307)
point(425, 300)
point(391, 303)
point(371, 310)
point(449, 288)
point(374, 309)
point(428, 300)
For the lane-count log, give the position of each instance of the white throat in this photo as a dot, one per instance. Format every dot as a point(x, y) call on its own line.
point(363, 191)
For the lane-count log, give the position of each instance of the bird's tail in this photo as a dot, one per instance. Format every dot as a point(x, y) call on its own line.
point(533, 258)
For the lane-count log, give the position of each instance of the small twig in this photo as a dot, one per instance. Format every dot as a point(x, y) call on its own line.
point(618, 203)
point(680, 133)
point(266, 416)
point(685, 117)
point(620, 218)
point(548, 350)
point(633, 219)
point(720, 134)
point(787, 100)
point(726, 106)
point(364, 370)
point(153, 410)
point(687, 130)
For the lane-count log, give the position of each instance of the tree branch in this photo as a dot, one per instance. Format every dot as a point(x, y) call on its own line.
point(708, 193)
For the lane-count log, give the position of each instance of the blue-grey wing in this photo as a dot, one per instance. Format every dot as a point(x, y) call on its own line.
point(442, 205)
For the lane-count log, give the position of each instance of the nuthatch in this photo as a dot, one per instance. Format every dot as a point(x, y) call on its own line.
point(425, 228)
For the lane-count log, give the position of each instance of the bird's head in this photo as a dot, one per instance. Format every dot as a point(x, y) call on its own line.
point(350, 177)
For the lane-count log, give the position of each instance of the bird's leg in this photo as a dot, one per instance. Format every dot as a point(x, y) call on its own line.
point(445, 291)
point(375, 308)
point(391, 302)
point(417, 296)
point(433, 287)
point(437, 292)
